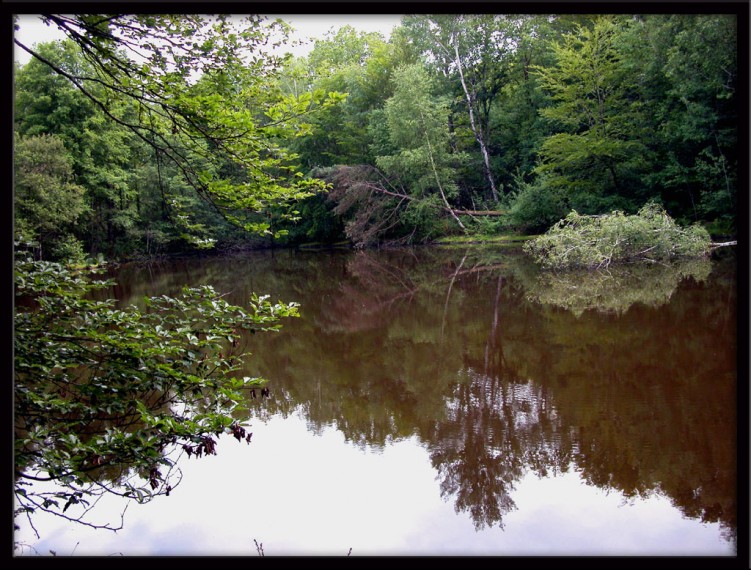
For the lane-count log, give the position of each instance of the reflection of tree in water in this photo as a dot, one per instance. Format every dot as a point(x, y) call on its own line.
point(615, 289)
point(498, 427)
point(372, 293)
point(483, 446)
point(357, 358)
point(446, 345)
point(650, 395)
point(640, 409)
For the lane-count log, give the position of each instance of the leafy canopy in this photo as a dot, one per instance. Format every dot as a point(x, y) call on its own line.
point(203, 93)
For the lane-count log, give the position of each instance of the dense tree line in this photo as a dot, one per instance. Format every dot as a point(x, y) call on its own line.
point(455, 124)
point(532, 117)
point(175, 126)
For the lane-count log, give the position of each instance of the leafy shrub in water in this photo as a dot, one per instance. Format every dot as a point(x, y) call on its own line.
point(598, 241)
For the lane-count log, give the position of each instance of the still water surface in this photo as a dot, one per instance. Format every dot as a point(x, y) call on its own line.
point(455, 401)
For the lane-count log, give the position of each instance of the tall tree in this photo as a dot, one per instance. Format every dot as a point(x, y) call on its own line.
point(418, 127)
point(47, 201)
point(415, 175)
point(597, 155)
point(47, 103)
point(517, 129)
point(358, 64)
point(474, 48)
point(694, 98)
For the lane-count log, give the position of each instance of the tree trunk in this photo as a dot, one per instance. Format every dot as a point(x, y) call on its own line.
point(438, 182)
point(475, 128)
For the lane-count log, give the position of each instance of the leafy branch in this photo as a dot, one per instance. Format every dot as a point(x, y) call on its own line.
point(202, 92)
point(105, 399)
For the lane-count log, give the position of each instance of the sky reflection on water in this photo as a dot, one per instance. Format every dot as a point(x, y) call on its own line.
point(298, 493)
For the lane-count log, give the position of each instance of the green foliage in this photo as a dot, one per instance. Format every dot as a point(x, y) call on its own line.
point(419, 218)
point(207, 107)
point(104, 397)
point(46, 102)
point(69, 249)
point(47, 201)
point(215, 139)
point(598, 241)
point(535, 206)
point(358, 64)
point(473, 52)
point(416, 179)
point(318, 223)
point(597, 146)
point(721, 227)
point(418, 128)
point(518, 127)
point(690, 110)
point(488, 226)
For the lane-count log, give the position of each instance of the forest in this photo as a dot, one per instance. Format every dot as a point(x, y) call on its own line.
point(147, 135)
point(150, 135)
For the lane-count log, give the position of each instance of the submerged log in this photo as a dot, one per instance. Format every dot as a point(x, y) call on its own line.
point(480, 212)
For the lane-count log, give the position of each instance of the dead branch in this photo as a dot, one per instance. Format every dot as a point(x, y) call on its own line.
point(366, 195)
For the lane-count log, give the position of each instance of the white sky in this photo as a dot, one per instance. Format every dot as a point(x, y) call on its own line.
point(309, 27)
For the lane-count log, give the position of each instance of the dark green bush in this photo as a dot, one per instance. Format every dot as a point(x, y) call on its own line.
point(536, 207)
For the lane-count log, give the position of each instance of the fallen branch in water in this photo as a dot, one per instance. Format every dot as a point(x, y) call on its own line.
point(722, 244)
point(597, 241)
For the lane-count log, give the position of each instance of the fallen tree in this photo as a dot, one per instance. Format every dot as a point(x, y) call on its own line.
point(595, 242)
point(371, 179)
point(373, 202)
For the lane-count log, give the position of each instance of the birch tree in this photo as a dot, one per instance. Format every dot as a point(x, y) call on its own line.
point(474, 49)
point(418, 126)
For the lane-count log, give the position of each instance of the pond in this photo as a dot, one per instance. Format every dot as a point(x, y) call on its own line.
point(455, 401)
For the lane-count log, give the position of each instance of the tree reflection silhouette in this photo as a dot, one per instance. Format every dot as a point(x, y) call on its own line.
point(467, 350)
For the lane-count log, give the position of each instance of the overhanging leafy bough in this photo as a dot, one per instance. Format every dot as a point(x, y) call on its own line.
point(104, 398)
point(201, 92)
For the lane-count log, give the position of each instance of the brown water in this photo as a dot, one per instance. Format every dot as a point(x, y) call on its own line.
point(455, 401)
